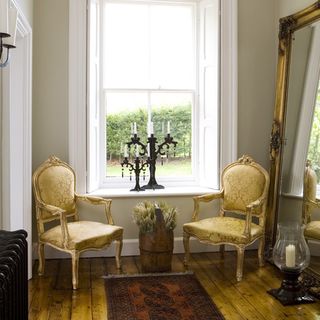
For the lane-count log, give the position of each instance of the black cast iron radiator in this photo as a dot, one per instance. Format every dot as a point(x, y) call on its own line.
point(13, 275)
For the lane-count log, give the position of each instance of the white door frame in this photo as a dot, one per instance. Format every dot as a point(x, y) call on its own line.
point(20, 67)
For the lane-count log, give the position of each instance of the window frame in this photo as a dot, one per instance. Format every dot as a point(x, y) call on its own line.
point(119, 182)
point(77, 87)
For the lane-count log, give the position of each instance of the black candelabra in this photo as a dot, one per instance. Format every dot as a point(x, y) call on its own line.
point(155, 150)
point(139, 164)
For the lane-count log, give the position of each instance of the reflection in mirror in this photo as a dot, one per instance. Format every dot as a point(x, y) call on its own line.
point(302, 138)
point(311, 215)
point(302, 93)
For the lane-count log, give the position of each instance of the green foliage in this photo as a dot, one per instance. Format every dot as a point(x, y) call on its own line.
point(314, 145)
point(119, 128)
point(144, 215)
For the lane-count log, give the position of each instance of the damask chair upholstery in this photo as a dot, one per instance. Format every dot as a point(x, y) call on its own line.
point(244, 192)
point(310, 204)
point(55, 198)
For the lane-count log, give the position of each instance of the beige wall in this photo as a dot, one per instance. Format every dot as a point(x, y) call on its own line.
point(287, 7)
point(257, 68)
point(50, 80)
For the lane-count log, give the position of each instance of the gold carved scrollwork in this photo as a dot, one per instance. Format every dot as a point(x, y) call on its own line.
point(275, 140)
point(287, 25)
point(245, 159)
point(54, 160)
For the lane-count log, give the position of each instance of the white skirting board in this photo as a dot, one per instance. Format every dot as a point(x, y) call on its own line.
point(131, 248)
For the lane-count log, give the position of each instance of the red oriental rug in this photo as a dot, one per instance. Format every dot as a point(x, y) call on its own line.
point(164, 296)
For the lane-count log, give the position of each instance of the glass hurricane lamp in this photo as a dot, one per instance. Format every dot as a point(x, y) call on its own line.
point(291, 255)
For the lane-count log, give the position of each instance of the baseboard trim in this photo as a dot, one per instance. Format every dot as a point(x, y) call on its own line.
point(131, 248)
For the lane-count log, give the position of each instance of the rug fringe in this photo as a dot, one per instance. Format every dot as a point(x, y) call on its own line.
point(138, 275)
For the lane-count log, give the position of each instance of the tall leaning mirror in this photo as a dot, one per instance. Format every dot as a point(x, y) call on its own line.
point(295, 136)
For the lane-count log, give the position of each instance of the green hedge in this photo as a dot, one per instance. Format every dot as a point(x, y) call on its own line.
point(119, 128)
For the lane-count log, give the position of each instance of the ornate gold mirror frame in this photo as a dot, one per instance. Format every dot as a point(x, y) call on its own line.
point(288, 25)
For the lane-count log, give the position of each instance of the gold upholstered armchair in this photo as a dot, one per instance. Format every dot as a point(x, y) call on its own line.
point(310, 203)
point(244, 192)
point(56, 199)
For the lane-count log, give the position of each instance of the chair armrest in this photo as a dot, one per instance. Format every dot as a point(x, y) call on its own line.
point(307, 206)
point(204, 198)
point(50, 208)
point(315, 203)
point(251, 209)
point(98, 201)
point(56, 211)
point(255, 205)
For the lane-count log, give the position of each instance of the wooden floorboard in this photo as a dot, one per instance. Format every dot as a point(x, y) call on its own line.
point(51, 296)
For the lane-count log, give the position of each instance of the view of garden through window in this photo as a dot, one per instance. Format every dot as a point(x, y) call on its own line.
point(125, 109)
point(314, 145)
point(149, 74)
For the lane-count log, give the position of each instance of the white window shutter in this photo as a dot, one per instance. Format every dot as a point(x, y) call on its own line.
point(93, 98)
point(209, 96)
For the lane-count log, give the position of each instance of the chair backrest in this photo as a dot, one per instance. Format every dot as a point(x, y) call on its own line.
point(243, 182)
point(309, 191)
point(54, 184)
point(309, 183)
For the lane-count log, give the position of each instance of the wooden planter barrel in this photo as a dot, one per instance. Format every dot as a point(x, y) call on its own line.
point(156, 247)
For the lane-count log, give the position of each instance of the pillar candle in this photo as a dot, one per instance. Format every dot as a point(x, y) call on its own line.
point(134, 128)
point(148, 149)
point(168, 127)
point(150, 128)
point(290, 256)
point(126, 151)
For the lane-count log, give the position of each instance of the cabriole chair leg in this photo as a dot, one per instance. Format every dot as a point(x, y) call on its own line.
point(75, 269)
point(186, 245)
point(261, 251)
point(118, 253)
point(240, 251)
point(41, 259)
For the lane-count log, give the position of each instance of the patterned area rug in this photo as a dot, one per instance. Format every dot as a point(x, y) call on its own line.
point(164, 296)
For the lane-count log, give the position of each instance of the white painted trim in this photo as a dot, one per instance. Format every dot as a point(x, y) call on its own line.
point(77, 90)
point(306, 115)
point(131, 248)
point(229, 82)
point(24, 32)
point(77, 86)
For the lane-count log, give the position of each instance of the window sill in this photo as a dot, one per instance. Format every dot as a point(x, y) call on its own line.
point(167, 192)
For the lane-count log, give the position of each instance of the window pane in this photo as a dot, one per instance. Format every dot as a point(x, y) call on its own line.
point(125, 46)
point(144, 43)
point(122, 110)
point(175, 108)
point(171, 46)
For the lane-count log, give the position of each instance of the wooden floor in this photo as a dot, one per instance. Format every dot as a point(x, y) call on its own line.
point(51, 296)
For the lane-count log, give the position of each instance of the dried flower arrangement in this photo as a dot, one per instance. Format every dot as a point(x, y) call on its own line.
point(144, 215)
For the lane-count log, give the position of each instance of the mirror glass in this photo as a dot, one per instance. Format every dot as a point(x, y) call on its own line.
point(302, 129)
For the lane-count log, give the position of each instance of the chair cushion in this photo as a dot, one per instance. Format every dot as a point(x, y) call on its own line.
point(222, 229)
point(83, 235)
point(312, 230)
